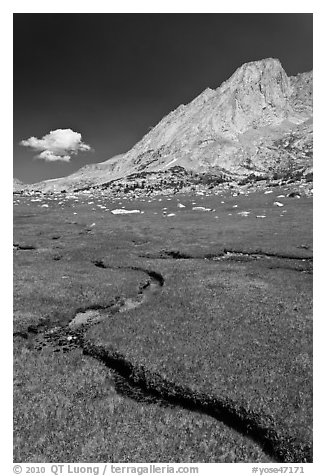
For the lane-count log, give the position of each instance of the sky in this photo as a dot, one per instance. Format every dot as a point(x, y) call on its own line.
point(99, 82)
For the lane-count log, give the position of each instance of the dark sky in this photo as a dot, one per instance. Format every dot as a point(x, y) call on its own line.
point(113, 76)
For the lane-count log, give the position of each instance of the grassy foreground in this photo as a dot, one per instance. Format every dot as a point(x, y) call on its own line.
point(235, 332)
point(67, 410)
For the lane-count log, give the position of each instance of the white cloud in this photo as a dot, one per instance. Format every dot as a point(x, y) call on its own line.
point(60, 144)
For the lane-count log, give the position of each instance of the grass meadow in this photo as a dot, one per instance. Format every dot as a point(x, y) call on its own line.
point(214, 365)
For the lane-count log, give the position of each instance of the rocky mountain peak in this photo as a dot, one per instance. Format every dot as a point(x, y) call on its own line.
point(244, 126)
point(257, 71)
point(256, 95)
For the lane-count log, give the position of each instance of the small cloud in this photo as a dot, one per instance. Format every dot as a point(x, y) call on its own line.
point(60, 144)
point(49, 156)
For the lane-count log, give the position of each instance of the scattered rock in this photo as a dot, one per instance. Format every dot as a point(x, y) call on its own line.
point(204, 209)
point(244, 214)
point(120, 211)
point(294, 195)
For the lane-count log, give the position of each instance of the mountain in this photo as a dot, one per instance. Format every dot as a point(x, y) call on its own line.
point(257, 122)
point(18, 185)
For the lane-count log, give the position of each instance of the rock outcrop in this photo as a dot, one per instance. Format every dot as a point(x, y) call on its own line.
point(257, 122)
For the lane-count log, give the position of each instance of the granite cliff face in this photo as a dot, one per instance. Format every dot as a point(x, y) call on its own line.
point(257, 122)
